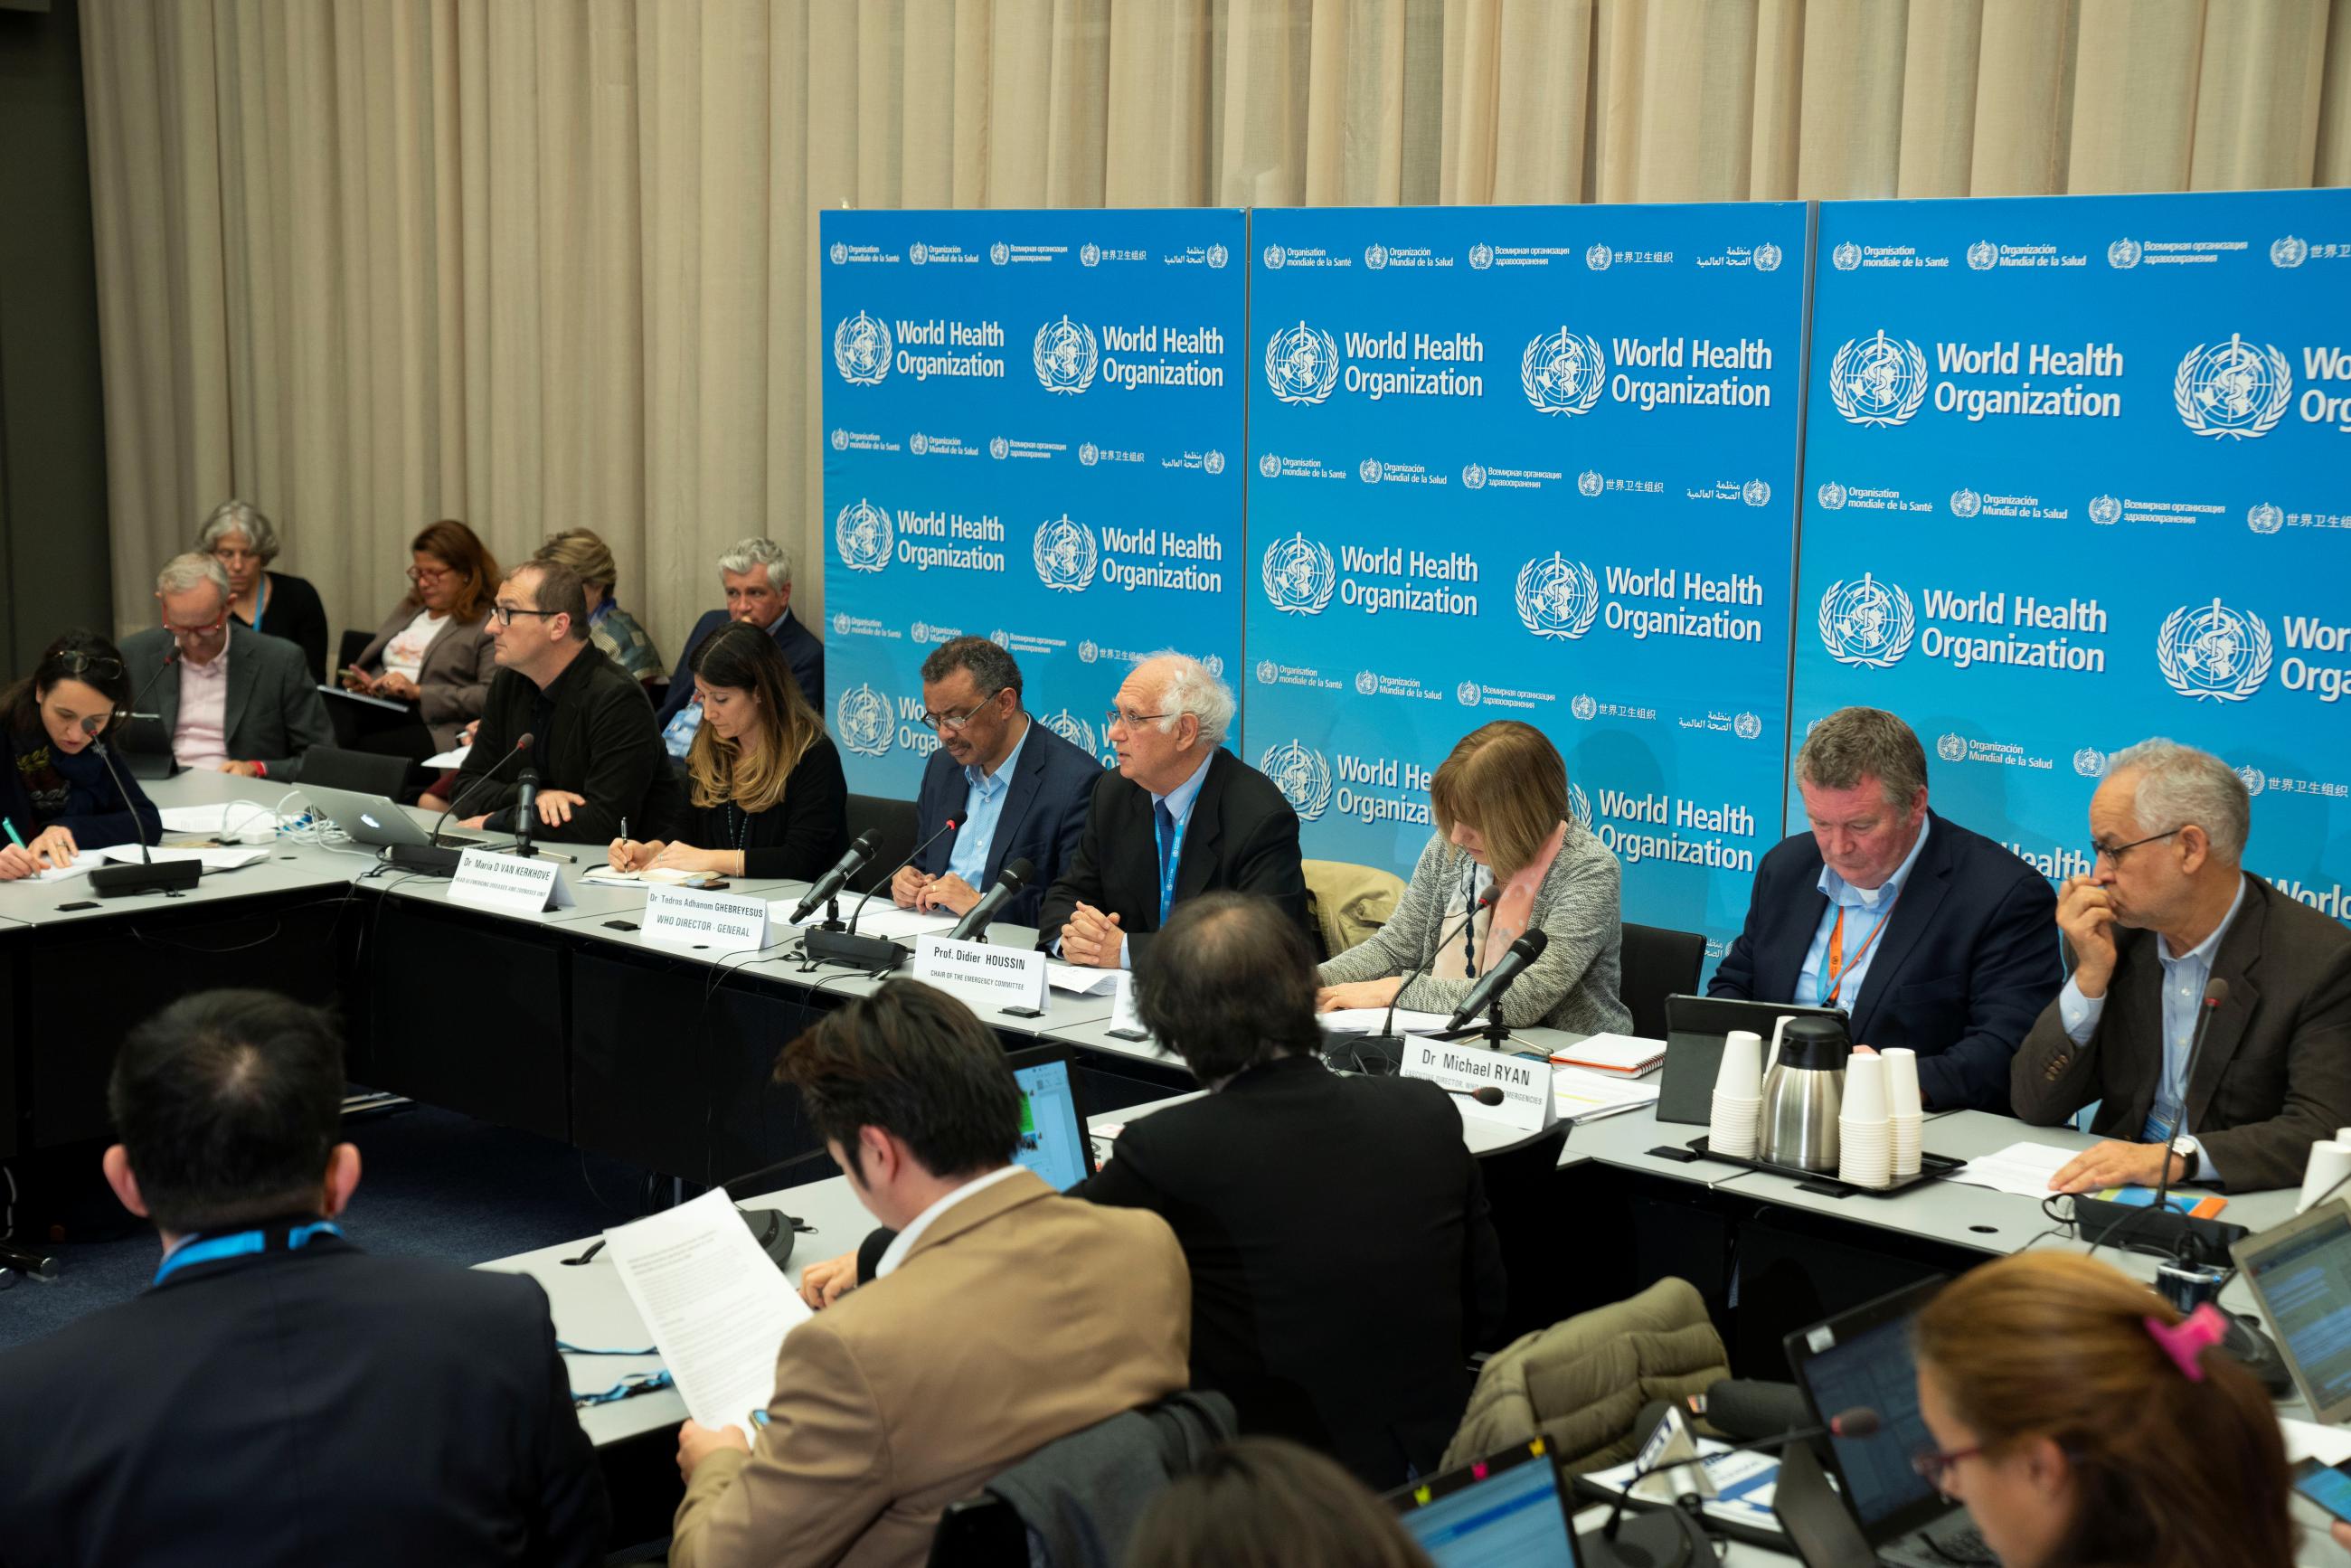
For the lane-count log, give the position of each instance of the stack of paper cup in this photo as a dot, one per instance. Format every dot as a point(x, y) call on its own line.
point(1903, 1111)
point(1737, 1096)
point(2330, 1161)
point(1865, 1135)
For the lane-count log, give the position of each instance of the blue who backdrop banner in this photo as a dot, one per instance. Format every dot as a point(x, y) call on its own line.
point(2078, 472)
point(1534, 464)
point(1033, 426)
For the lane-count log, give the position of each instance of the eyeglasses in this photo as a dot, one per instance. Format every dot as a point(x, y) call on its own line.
point(1134, 720)
point(504, 614)
point(76, 662)
point(956, 721)
point(1934, 1467)
point(424, 574)
point(209, 628)
point(2114, 855)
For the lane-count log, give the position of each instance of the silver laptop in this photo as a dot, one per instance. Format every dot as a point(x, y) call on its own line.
point(2300, 1273)
point(375, 820)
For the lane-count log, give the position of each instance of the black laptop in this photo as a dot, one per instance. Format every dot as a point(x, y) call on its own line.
point(1695, 1028)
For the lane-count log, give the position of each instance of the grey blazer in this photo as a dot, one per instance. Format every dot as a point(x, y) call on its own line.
point(2274, 1074)
point(455, 679)
point(1573, 986)
point(275, 712)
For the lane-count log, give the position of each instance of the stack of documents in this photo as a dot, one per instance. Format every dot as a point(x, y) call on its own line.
point(1626, 1053)
point(1368, 1021)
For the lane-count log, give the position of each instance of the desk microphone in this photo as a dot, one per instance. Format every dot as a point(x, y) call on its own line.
point(1496, 980)
point(1485, 1095)
point(829, 885)
point(521, 745)
point(1010, 880)
point(2215, 991)
point(147, 876)
point(436, 859)
point(1387, 1046)
point(876, 952)
point(525, 808)
point(1600, 1549)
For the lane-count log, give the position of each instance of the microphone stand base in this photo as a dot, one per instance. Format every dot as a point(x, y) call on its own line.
point(824, 946)
point(162, 876)
point(423, 859)
point(2136, 1228)
point(1660, 1538)
point(1379, 1055)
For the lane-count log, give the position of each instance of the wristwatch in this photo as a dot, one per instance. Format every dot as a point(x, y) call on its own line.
point(2188, 1149)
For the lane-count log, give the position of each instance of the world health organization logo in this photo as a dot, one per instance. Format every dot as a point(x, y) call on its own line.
point(860, 531)
point(1218, 256)
point(2234, 389)
point(916, 253)
point(2264, 518)
point(861, 350)
point(1832, 496)
point(841, 623)
point(1866, 623)
point(1473, 476)
point(1746, 726)
point(1073, 729)
point(2255, 779)
point(1563, 373)
point(1089, 453)
point(1088, 653)
point(841, 440)
point(2291, 250)
point(1298, 575)
point(2089, 762)
point(1952, 748)
point(1583, 707)
point(1269, 465)
point(1302, 774)
point(861, 721)
point(1481, 256)
point(1066, 553)
point(1370, 470)
point(1302, 364)
point(1878, 380)
point(1089, 254)
point(1598, 259)
point(1065, 355)
point(1212, 462)
point(2123, 254)
point(1846, 256)
point(1766, 256)
point(1273, 259)
point(1467, 693)
point(919, 633)
point(1000, 637)
point(1268, 671)
point(1983, 255)
point(1366, 683)
point(1756, 492)
point(2213, 652)
point(997, 446)
point(919, 444)
point(2106, 511)
point(1558, 597)
point(840, 253)
point(1591, 482)
point(1000, 253)
point(1579, 806)
point(1966, 503)
point(1376, 256)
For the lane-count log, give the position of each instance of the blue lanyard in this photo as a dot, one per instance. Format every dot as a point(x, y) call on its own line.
point(243, 1244)
point(1174, 859)
point(260, 600)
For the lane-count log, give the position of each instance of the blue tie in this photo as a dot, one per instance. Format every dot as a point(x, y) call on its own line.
point(1165, 822)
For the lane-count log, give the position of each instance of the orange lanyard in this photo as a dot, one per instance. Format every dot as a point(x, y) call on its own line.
point(1837, 965)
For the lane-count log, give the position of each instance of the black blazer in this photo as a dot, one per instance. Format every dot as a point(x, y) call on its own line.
point(293, 1409)
point(1967, 961)
point(602, 745)
point(1343, 1263)
point(1044, 811)
point(1243, 837)
point(802, 651)
point(800, 837)
point(293, 613)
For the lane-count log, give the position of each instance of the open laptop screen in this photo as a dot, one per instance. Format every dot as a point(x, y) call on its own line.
point(1864, 1358)
point(1504, 1512)
point(2302, 1272)
point(1052, 1134)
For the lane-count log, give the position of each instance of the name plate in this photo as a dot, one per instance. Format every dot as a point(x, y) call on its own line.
point(509, 884)
point(985, 976)
point(1124, 1019)
point(686, 917)
point(1526, 1101)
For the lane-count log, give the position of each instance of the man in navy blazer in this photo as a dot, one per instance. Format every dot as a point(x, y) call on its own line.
point(757, 574)
point(1015, 789)
point(1932, 937)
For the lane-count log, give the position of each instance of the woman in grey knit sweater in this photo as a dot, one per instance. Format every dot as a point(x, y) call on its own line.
point(1501, 805)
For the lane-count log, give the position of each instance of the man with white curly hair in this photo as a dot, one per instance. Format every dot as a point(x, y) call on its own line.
point(1181, 816)
point(2166, 909)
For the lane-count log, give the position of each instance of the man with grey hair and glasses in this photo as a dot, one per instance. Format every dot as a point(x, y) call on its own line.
point(757, 575)
point(1180, 817)
point(240, 703)
point(1931, 937)
point(2167, 910)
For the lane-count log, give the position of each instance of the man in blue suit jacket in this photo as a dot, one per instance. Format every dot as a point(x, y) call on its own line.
point(1016, 790)
point(1932, 937)
point(759, 578)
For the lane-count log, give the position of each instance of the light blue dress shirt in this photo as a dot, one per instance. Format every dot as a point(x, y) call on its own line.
point(2184, 980)
point(983, 807)
point(1865, 912)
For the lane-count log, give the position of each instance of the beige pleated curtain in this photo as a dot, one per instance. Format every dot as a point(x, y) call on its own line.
point(538, 264)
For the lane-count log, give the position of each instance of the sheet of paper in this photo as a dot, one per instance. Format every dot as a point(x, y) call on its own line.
point(663, 876)
point(453, 757)
point(1588, 1096)
point(717, 1306)
point(59, 872)
point(1368, 1021)
point(217, 820)
point(2023, 1169)
point(213, 860)
point(2309, 1440)
point(1743, 1484)
point(1077, 980)
point(892, 924)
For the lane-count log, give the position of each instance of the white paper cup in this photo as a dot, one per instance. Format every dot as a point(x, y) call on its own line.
point(2330, 1161)
point(1777, 1030)
point(1901, 1082)
point(1864, 1089)
point(1741, 1072)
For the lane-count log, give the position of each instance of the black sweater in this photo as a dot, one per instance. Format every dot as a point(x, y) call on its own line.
point(293, 611)
point(591, 733)
point(801, 836)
